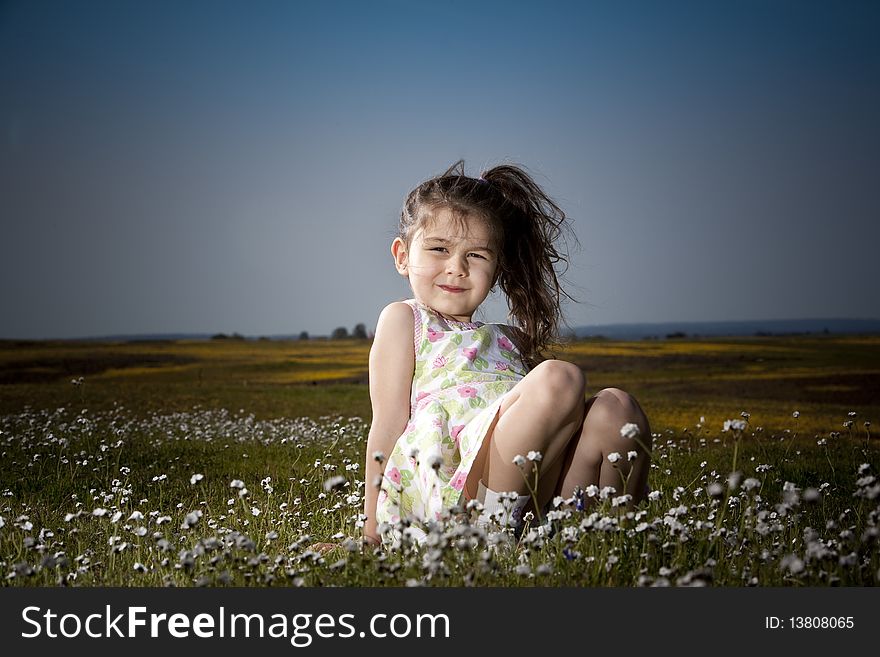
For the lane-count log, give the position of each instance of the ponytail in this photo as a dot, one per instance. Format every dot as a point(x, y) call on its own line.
point(532, 223)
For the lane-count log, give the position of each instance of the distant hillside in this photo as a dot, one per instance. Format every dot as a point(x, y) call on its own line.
point(739, 328)
point(659, 330)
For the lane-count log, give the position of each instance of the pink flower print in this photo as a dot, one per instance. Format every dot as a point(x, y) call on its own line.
point(433, 335)
point(419, 398)
point(456, 430)
point(394, 475)
point(467, 391)
point(501, 367)
point(437, 422)
point(439, 362)
point(458, 480)
point(505, 344)
point(470, 353)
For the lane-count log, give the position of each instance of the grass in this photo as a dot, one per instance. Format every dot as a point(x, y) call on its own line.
point(99, 479)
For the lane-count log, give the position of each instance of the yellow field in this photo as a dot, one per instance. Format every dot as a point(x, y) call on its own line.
point(678, 381)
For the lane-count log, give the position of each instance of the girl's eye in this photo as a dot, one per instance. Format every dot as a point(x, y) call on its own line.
point(477, 255)
point(438, 248)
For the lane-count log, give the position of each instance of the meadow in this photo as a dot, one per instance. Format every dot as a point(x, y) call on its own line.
point(221, 462)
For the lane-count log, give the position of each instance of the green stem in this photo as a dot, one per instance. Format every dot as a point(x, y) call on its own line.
point(736, 450)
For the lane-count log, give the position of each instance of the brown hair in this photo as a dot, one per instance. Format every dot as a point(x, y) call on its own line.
point(526, 224)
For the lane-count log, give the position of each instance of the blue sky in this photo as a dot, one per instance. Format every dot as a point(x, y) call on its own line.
point(232, 166)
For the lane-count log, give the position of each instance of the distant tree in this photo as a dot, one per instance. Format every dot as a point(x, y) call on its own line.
point(223, 336)
point(304, 335)
point(360, 332)
point(340, 333)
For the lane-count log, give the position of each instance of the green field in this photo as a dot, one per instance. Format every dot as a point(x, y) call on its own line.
point(101, 444)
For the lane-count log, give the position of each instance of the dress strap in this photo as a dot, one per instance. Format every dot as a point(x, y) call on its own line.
point(418, 323)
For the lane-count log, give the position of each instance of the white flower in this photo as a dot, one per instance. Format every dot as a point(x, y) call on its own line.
point(196, 478)
point(792, 564)
point(334, 482)
point(630, 430)
point(519, 461)
point(654, 495)
point(139, 567)
point(606, 492)
point(255, 511)
point(735, 425)
point(136, 515)
point(534, 456)
point(433, 457)
point(751, 484)
point(99, 512)
point(622, 500)
point(734, 479)
point(812, 495)
point(379, 457)
point(116, 517)
point(796, 414)
point(236, 483)
point(191, 519)
point(614, 457)
point(631, 456)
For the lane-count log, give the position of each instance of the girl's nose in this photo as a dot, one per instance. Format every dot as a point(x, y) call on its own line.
point(456, 266)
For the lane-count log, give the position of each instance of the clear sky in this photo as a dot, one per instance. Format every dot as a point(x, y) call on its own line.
point(240, 166)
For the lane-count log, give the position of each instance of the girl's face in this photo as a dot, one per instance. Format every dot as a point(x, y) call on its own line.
point(450, 264)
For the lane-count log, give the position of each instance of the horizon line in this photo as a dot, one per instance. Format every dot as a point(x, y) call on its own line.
point(202, 334)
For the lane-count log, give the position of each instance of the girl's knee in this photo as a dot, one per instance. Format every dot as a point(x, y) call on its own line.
point(621, 403)
point(616, 407)
point(562, 383)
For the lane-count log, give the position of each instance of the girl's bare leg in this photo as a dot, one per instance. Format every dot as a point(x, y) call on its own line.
point(542, 413)
point(587, 459)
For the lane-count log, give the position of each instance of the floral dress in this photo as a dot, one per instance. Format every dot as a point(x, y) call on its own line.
point(463, 370)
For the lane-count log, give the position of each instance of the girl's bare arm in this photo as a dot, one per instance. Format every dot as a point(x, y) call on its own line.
point(392, 362)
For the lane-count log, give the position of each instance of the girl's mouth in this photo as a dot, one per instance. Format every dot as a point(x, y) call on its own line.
point(451, 288)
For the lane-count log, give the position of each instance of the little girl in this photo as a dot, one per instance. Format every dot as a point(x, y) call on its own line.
point(456, 401)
